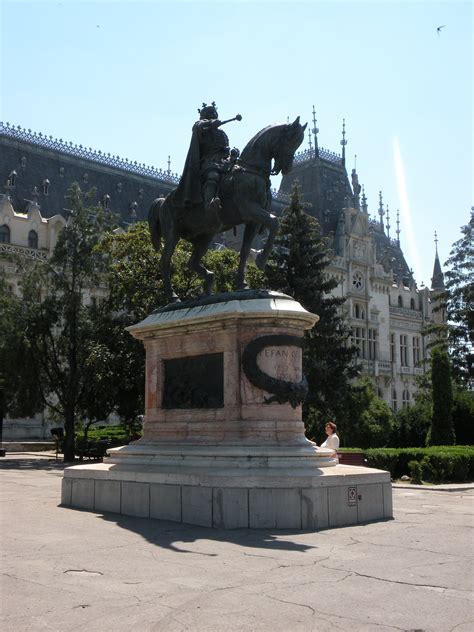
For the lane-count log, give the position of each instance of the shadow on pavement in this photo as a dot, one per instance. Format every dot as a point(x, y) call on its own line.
point(167, 534)
point(31, 463)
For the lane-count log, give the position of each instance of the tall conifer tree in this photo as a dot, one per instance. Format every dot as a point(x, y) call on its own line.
point(298, 268)
point(442, 430)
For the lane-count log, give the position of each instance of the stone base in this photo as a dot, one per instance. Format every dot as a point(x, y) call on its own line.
point(260, 498)
point(218, 449)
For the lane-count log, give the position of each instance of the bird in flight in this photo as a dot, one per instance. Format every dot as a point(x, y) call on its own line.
point(438, 30)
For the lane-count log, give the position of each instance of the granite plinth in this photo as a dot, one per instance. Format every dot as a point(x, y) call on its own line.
point(261, 498)
point(219, 450)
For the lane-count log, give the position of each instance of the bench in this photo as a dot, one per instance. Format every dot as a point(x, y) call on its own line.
point(352, 458)
point(92, 449)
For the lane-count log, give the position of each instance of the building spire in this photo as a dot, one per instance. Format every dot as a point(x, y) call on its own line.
point(343, 142)
point(398, 228)
point(310, 142)
point(315, 131)
point(381, 211)
point(169, 165)
point(364, 201)
point(387, 225)
point(437, 280)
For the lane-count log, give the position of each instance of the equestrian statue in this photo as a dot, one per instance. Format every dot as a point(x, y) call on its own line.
point(220, 189)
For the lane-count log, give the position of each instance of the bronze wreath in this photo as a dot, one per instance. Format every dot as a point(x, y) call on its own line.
point(283, 391)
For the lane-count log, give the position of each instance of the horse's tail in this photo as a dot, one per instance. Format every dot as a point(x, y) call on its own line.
point(154, 222)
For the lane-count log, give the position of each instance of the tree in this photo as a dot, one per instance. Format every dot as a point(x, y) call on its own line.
point(19, 392)
point(59, 324)
point(458, 300)
point(441, 431)
point(366, 421)
point(298, 268)
point(463, 416)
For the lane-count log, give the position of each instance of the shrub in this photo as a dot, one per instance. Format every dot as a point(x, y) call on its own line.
point(415, 472)
point(438, 464)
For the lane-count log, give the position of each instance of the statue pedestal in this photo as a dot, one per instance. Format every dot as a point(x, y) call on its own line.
point(218, 449)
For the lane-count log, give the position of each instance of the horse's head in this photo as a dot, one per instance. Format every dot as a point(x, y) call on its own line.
point(289, 140)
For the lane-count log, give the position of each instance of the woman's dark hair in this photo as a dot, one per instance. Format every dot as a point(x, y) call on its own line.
point(332, 425)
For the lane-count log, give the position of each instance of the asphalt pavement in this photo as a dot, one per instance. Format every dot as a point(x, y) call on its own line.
point(64, 569)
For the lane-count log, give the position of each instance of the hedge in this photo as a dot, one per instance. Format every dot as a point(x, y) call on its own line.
point(440, 464)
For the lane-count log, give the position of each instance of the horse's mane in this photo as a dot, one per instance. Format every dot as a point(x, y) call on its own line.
point(259, 136)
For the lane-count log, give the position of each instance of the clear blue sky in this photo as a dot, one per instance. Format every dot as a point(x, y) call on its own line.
point(127, 77)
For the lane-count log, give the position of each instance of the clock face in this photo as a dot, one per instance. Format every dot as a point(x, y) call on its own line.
point(357, 281)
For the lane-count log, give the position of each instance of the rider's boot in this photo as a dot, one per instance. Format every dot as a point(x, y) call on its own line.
point(211, 202)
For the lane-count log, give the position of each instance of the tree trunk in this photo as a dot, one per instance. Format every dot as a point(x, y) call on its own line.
point(69, 442)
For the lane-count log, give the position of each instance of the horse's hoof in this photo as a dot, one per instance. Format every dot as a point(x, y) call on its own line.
point(240, 287)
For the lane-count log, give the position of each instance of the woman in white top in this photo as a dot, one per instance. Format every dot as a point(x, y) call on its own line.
point(332, 441)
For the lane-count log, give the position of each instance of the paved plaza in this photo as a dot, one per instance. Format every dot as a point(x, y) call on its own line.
point(64, 569)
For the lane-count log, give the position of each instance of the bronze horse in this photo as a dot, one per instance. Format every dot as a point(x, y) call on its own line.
point(245, 197)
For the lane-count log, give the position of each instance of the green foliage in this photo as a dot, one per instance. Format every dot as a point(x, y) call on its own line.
point(297, 267)
point(463, 416)
point(460, 304)
point(438, 464)
point(457, 304)
point(411, 425)
point(415, 472)
point(59, 323)
point(441, 431)
point(367, 420)
point(19, 392)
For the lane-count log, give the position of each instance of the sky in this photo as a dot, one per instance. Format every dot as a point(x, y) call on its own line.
point(127, 78)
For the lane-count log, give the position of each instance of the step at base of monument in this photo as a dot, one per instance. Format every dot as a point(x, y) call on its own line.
point(298, 499)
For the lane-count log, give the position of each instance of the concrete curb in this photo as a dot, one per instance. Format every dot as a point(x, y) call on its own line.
point(449, 487)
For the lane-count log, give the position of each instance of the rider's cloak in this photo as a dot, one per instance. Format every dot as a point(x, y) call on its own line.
point(189, 190)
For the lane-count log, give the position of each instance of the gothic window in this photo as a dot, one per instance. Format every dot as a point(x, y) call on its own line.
point(359, 340)
point(416, 351)
point(85, 178)
point(403, 350)
point(140, 193)
point(412, 303)
point(394, 401)
point(392, 347)
point(119, 187)
point(23, 162)
point(61, 172)
point(372, 344)
point(12, 178)
point(46, 184)
point(358, 311)
point(357, 281)
point(32, 239)
point(400, 301)
point(405, 398)
point(4, 234)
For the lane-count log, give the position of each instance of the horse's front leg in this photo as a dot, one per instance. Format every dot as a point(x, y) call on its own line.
point(200, 247)
point(249, 234)
point(170, 241)
point(269, 221)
